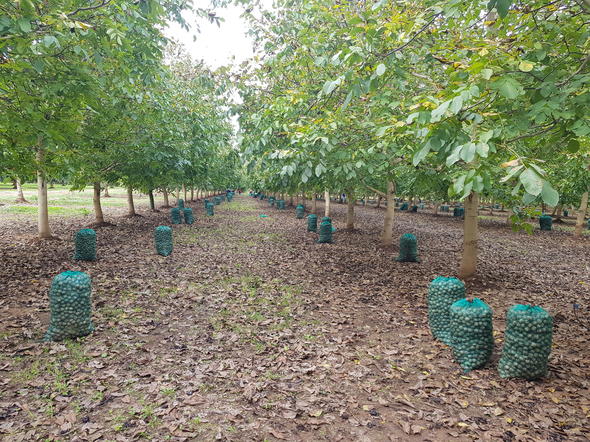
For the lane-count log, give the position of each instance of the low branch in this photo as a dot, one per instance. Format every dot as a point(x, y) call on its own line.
point(378, 192)
point(90, 8)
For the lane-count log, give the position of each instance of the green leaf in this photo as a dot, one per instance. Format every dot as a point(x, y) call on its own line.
point(24, 24)
point(468, 152)
point(549, 194)
point(380, 69)
point(508, 87)
point(531, 181)
point(421, 154)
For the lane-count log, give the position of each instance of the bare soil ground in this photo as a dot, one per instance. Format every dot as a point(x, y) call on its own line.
point(252, 331)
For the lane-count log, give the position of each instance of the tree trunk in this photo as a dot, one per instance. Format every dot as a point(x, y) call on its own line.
point(349, 210)
point(314, 204)
point(387, 234)
point(184, 191)
point(14, 184)
point(378, 202)
point(152, 202)
point(581, 214)
point(106, 191)
point(469, 260)
point(131, 211)
point(43, 209)
point(326, 203)
point(291, 200)
point(192, 193)
point(98, 215)
point(20, 196)
point(166, 199)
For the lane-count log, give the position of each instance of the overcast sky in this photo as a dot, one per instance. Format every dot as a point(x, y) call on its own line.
point(217, 45)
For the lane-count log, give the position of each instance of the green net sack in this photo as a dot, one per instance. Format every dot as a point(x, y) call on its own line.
point(527, 343)
point(181, 204)
point(566, 213)
point(312, 223)
point(404, 206)
point(188, 215)
point(70, 305)
point(472, 338)
point(205, 202)
point(545, 222)
point(421, 206)
point(442, 293)
point(325, 232)
point(210, 211)
point(300, 212)
point(85, 241)
point(175, 215)
point(281, 204)
point(408, 248)
point(271, 201)
point(444, 208)
point(458, 211)
point(414, 209)
point(163, 240)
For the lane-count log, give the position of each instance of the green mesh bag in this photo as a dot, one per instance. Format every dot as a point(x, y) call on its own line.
point(85, 241)
point(163, 240)
point(472, 338)
point(421, 206)
point(188, 215)
point(408, 248)
point(205, 202)
point(312, 223)
point(566, 213)
point(281, 204)
point(414, 209)
point(71, 307)
point(181, 204)
point(175, 215)
point(300, 212)
point(527, 343)
point(404, 206)
point(326, 218)
point(444, 208)
point(458, 211)
point(271, 201)
point(545, 222)
point(442, 293)
point(325, 232)
point(217, 201)
point(210, 211)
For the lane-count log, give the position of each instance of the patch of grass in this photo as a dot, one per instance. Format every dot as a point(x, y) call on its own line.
point(53, 210)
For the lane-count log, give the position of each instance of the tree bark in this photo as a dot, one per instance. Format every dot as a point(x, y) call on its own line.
point(470, 236)
point(166, 199)
point(152, 202)
point(98, 215)
point(184, 191)
point(349, 210)
point(387, 235)
point(130, 204)
point(314, 204)
point(43, 209)
point(106, 191)
point(378, 202)
point(581, 215)
point(291, 200)
point(20, 196)
point(326, 203)
point(192, 193)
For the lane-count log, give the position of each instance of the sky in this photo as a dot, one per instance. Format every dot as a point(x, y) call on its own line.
point(217, 45)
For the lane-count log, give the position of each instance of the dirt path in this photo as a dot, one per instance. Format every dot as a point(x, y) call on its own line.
point(251, 331)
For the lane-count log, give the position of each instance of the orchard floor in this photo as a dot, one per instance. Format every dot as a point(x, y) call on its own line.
point(251, 331)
